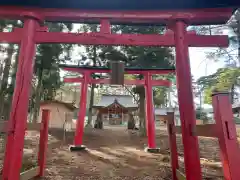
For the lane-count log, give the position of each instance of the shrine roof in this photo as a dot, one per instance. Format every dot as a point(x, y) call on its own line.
point(123, 4)
point(70, 106)
point(124, 100)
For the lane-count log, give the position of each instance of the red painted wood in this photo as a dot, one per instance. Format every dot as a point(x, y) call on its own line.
point(105, 39)
point(105, 26)
point(230, 152)
point(195, 40)
point(186, 106)
point(43, 142)
point(19, 110)
point(127, 82)
point(106, 110)
point(181, 39)
point(117, 39)
point(173, 144)
point(12, 37)
point(96, 38)
point(203, 16)
point(82, 111)
point(8, 150)
point(141, 71)
point(149, 112)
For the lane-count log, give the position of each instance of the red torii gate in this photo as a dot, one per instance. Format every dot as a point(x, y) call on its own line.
point(177, 22)
point(148, 82)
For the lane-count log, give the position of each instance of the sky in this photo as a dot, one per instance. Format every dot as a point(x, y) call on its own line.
point(200, 66)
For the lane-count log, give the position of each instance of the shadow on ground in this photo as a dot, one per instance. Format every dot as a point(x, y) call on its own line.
point(115, 153)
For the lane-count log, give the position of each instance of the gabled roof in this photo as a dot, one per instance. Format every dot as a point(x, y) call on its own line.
point(70, 106)
point(123, 100)
point(116, 104)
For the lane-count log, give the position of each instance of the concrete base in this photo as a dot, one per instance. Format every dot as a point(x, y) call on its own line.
point(153, 150)
point(74, 148)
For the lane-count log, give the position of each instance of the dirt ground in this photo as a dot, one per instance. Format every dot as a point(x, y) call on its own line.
point(111, 154)
point(115, 153)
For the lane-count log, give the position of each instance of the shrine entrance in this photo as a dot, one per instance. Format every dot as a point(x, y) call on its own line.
point(116, 113)
point(176, 35)
point(115, 108)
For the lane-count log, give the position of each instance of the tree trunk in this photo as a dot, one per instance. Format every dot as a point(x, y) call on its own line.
point(233, 94)
point(38, 98)
point(1, 73)
point(89, 122)
point(131, 121)
point(98, 123)
point(238, 39)
point(11, 85)
point(142, 113)
point(4, 85)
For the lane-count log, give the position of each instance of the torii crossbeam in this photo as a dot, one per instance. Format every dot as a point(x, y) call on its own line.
point(177, 36)
point(148, 83)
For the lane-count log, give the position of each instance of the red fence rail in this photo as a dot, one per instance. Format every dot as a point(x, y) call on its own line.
point(39, 170)
point(224, 129)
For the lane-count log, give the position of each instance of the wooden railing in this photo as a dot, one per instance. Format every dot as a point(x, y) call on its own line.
point(224, 130)
point(43, 141)
point(206, 130)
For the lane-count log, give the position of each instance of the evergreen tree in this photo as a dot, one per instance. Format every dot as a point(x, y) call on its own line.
point(225, 79)
point(46, 68)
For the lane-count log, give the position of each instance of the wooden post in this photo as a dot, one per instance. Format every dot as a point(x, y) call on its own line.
point(186, 105)
point(227, 135)
point(78, 139)
point(149, 112)
point(172, 143)
point(19, 108)
point(43, 141)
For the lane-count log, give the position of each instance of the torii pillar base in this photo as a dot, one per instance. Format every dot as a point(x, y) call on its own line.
point(153, 150)
point(74, 148)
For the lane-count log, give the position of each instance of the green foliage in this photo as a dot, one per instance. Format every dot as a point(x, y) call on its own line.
point(160, 96)
point(148, 57)
point(47, 59)
point(201, 115)
point(225, 79)
point(6, 89)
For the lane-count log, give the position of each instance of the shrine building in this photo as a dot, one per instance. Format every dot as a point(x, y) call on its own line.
point(115, 109)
